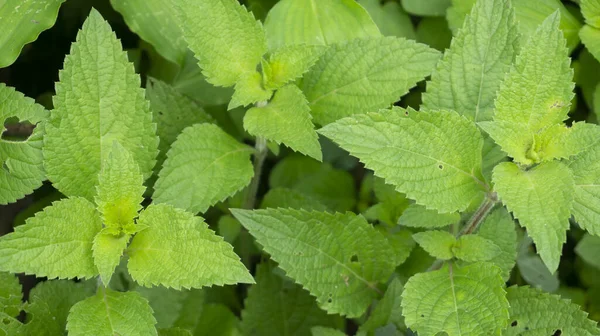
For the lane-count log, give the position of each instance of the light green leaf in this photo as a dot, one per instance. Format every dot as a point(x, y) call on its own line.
point(365, 75)
point(590, 36)
point(312, 22)
point(559, 142)
point(437, 243)
point(499, 228)
point(204, 166)
point(285, 119)
point(98, 100)
point(107, 251)
point(388, 309)
point(492, 155)
point(419, 216)
point(172, 111)
point(319, 251)
point(249, 90)
point(324, 331)
point(179, 250)
point(120, 189)
point(588, 249)
point(468, 76)
point(111, 313)
point(391, 19)
point(472, 247)
point(227, 40)
point(586, 175)
point(276, 306)
point(10, 294)
point(288, 63)
point(535, 313)
point(291, 198)
point(541, 199)
point(23, 21)
point(463, 301)
point(155, 22)
point(56, 243)
point(591, 12)
point(434, 157)
point(21, 170)
point(426, 8)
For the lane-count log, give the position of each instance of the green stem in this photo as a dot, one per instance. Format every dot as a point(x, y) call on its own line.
point(260, 154)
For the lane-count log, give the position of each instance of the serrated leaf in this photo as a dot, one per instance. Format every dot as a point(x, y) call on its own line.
point(292, 22)
point(276, 306)
point(437, 243)
point(426, 8)
point(156, 23)
point(21, 170)
point(10, 294)
point(98, 100)
point(285, 119)
point(249, 90)
point(590, 36)
point(204, 166)
point(541, 199)
point(178, 250)
point(111, 313)
point(24, 20)
point(419, 216)
point(559, 142)
point(499, 227)
point(434, 157)
point(464, 301)
point(468, 76)
point(388, 309)
point(319, 251)
point(391, 19)
point(107, 251)
point(365, 75)
point(586, 175)
point(56, 243)
point(535, 95)
point(288, 63)
point(472, 248)
point(290, 198)
point(226, 39)
point(535, 313)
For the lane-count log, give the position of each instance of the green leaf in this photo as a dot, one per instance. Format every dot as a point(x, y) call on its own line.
point(204, 166)
point(167, 303)
point(541, 199)
point(533, 270)
point(365, 75)
point(288, 63)
point(191, 82)
point(590, 36)
point(217, 319)
point(472, 247)
point(586, 175)
point(434, 157)
point(388, 309)
point(559, 142)
point(172, 111)
point(179, 250)
point(23, 21)
point(419, 216)
point(290, 198)
point(50, 302)
point(391, 19)
point(10, 294)
point(426, 8)
point(319, 251)
point(249, 90)
point(227, 40)
point(174, 332)
point(275, 306)
point(535, 95)
point(156, 23)
point(21, 170)
point(499, 228)
point(107, 251)
point(324, 331)
point(588, 249)
point(111, 313)
point(56, 243)
point(591, 12)
point(437, 243)
point(98, 100)
point(292, 22)
point(463, 301)
point(392, 204)
point(285, 119)
point(434, 32)
point(534, 313)
point(468, 76)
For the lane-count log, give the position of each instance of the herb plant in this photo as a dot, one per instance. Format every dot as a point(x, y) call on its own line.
point(302, 167)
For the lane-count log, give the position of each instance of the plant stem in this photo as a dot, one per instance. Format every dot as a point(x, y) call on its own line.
point(260, 154)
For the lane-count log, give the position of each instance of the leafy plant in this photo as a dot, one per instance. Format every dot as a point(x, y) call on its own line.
point(392, 189)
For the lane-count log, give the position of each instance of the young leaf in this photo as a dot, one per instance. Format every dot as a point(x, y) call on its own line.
point(205, 165)
point(120, 189)
point(437, 243)
point(534, 312)
point(586, 175)
point(107, 251)
point(292, 22)
point(468, 76)
point(419, 216)
point(541, 199)
point(178, 250)
point(227, 40)
point(473, 248)
point(111, 313)
point(388, 309)
point(56, 243)
point(463, 301)
point(10, 294)
point(288, 63)
point(23, 21)
point(286, 119)
point(434, 157)
point(365, 75)
point(98, 100)
point(249, 90)
point(275, 306)
point(319, 251)
point(499, 228)
point(21, 170)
